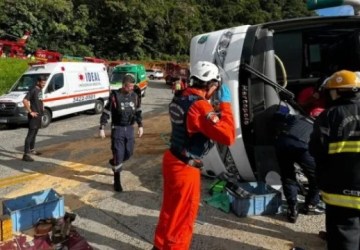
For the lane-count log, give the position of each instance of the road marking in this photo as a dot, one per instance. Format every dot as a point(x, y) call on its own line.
point(17, 179)
point(13, 180)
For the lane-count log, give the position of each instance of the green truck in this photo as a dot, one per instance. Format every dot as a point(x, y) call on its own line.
point(138, 70)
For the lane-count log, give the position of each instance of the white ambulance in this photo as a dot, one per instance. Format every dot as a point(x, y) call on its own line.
point(71, 87)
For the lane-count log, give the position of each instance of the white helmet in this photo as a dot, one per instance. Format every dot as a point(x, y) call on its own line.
point(205, 71)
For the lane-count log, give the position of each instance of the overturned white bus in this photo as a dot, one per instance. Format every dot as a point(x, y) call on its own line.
point(268, 63)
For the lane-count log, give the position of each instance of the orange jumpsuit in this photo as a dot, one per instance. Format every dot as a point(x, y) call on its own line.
point(182, 185)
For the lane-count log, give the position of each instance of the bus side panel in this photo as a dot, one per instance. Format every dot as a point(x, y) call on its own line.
point(231, 67)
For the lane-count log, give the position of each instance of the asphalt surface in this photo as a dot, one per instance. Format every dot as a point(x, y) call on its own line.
point(74, 164)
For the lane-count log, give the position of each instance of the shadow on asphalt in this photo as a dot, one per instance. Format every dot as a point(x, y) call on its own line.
point(59, 119)
point(51, 167)
point(113, 217)
point(112, 222)
point(262, 228)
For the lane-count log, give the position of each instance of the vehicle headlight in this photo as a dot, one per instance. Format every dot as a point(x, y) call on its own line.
point(20, 104)
point(223, 45)
point(224, 42)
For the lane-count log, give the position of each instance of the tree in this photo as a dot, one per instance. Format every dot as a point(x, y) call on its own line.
point(134, 29)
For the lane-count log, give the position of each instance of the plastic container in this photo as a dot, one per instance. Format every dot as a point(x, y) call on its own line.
point(26, 210)
point(262, 199)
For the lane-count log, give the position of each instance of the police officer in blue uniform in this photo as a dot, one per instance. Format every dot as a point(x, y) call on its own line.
point(293, 135)
point(124, 108)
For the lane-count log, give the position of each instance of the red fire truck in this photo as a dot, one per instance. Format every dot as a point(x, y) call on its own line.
point(175, 72)
point(42, 55)
point(9, 48)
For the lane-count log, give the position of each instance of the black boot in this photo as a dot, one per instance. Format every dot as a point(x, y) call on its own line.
point(292, 213)
point(322, 235)
point(117, 182)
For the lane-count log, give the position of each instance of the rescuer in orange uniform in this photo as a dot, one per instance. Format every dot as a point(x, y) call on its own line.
point(194, 125)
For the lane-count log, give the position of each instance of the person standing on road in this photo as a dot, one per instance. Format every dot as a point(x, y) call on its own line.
point(124, 108)
point(291, 145)
point(194, 125)
point(335, 145)
point(34, 105)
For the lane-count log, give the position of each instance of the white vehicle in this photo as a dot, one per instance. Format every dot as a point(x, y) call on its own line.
point(154, 74)
point(263, 65)
point(71, 87)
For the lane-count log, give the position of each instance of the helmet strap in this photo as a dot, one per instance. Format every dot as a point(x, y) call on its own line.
point(197, 83)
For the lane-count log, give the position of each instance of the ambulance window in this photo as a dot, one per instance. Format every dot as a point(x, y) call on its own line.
point(26, 82)
point(117, 76)
point(57, 82)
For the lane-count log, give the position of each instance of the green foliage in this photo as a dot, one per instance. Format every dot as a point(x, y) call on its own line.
point(10, 70)
point(133, 29)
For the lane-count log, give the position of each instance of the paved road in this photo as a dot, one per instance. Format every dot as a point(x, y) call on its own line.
point(15, 174)
point(82, 125)
point(73, 165)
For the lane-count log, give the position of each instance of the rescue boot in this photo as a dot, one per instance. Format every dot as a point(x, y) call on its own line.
point(112, 162)
point(34, 152)
point(292, 213)
point(322, 235)
point(117, 182)
point(309, 209)
point(27, 157)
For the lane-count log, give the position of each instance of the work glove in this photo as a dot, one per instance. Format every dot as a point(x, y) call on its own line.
point(102, 133)
point(224, 94)
point(140, 131)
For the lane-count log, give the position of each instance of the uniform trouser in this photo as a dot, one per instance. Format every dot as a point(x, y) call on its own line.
point(122, 143)
point(34, 125)
point(343, 228)
point(180, 205)
point(290, 151)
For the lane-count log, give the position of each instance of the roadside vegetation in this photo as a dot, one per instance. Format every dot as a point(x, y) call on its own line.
point(127, 29)
point(133, 29)
point(10, 70)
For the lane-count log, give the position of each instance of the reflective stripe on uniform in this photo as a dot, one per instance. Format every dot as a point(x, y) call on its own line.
point(178, 86)
point(341, 200)
point(344, 147)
